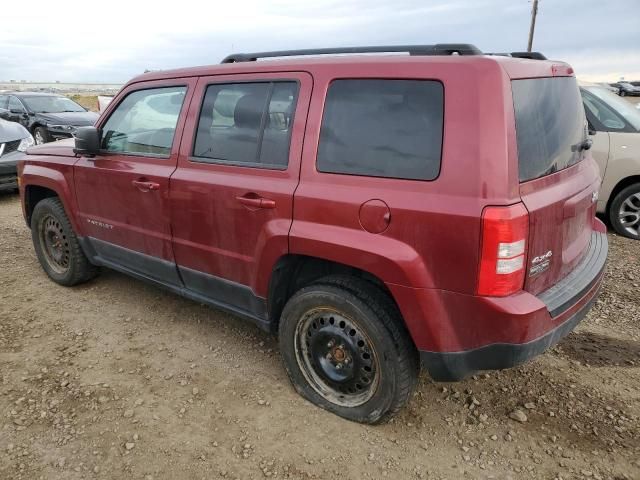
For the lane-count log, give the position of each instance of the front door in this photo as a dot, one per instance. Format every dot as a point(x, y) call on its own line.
point(123, 192)
point(18, 112)
point(232, 194)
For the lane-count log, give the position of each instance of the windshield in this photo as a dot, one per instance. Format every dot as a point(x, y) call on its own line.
point(620, 105)
point(44, 104)
point(550, 125)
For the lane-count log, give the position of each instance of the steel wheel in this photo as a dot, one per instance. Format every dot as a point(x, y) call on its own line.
point(336, 357)
point(629, 214)
point(54, 243)
point(39, 139)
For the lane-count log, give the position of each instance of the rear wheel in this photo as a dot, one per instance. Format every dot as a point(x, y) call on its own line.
point(345, 349)
point(624, 212)
point(57, 246)
point(40, 136)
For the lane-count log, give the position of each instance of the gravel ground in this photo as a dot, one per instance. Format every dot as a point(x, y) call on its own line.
point(118, 379)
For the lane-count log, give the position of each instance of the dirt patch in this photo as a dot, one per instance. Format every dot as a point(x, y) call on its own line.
point(118, 379)
point(87, 101)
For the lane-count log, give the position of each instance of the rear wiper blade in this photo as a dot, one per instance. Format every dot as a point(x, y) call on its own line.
point(583, 145)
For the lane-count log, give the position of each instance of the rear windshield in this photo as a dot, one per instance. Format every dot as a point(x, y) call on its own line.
point(550, 125)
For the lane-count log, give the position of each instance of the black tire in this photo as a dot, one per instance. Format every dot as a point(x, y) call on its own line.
point(614, 211)
point(41, 133)
point(65, 262)
point(623, 93)
point(368, 311)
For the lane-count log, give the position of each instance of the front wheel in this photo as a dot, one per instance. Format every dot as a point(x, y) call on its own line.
point(346, 350)
point(57, 246)
point(624, 212)
point(623, 93)
point(41, 135)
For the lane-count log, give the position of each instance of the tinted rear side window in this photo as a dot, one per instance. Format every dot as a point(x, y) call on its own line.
point(246, 124)
point(550, 125)
point(382, 128)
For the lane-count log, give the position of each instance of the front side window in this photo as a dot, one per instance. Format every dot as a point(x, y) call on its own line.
point(144, 123)
point(382, 128)
point(246, 124)
point(15, 105)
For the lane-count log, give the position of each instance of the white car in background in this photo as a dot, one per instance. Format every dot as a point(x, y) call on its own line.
point(614, 127)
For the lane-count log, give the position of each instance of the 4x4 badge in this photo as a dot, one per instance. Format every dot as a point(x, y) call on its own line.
point(540, 263)
point(542, 258)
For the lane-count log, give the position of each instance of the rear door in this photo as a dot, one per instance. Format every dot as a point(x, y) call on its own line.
point(123, 192)
point(232, 194)
point(559, 180)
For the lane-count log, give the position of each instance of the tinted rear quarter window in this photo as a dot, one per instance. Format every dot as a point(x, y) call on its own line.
point(382, 128)
point(550, 125)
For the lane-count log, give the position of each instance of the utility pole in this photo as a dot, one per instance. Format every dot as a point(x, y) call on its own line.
point(534, 12)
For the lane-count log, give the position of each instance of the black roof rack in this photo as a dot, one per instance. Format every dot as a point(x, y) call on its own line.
point(529, 55)
point(437, 49)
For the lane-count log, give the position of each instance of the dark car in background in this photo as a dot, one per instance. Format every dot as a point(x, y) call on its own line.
point(626, 88)
point(46, 115)
point(14, 140)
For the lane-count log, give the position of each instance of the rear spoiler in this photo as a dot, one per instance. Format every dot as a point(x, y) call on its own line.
point(529, 55)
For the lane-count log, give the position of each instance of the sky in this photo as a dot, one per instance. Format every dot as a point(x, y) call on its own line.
point(110, 42)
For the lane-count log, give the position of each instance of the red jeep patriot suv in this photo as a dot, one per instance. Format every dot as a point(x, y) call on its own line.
point(379, 212)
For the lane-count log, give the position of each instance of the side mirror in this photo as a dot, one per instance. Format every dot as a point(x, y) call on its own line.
point(87, 141)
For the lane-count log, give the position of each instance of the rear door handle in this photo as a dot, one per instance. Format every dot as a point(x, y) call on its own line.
point(145, 186)
point(256, 202)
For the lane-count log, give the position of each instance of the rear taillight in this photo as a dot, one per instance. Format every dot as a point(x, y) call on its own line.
point(504, 250)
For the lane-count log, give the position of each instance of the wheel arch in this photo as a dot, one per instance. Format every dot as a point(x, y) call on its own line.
point(41, 182)
point(291, 272)
point(36, 125)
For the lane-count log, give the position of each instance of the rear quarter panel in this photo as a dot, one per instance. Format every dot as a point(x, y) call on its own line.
point(433, 237)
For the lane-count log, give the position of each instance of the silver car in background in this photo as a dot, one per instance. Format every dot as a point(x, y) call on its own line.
point(14, 141)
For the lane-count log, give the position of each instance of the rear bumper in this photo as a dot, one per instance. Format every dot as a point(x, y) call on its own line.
point(454, 366)
point(501, 333)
